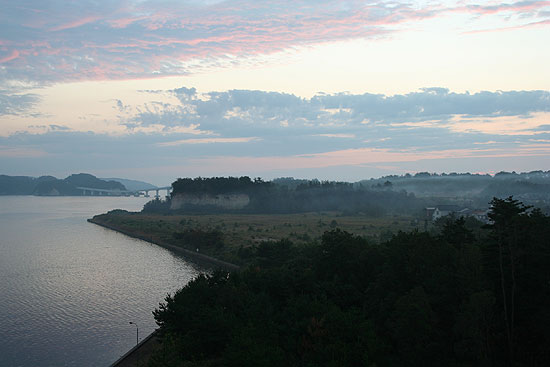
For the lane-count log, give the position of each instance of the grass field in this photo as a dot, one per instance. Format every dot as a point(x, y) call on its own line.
point(242, 231)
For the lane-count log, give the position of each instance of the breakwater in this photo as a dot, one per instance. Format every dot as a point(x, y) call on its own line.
point(144, 349)
point(192, 255)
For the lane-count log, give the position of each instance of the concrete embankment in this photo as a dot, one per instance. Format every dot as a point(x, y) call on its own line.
point(196, 256)
point(140, 354)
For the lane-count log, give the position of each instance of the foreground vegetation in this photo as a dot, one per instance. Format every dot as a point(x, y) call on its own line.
point(456, 298)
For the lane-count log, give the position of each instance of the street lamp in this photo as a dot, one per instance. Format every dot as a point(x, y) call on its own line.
point(137, 331)
point(137, 342)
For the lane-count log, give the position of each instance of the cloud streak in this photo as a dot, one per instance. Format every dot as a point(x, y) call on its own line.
point(12, 56)
point(15, 152)
point(206, 141)
point(519, 7)
point(541, 23)
point(363, 156)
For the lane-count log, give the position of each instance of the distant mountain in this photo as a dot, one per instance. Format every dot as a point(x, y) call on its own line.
point(132, 185)
point(51, 186)
point(87, 180)
point(55, 188)
point(17, 185)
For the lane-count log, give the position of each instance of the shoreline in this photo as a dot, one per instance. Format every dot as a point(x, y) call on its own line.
point(178, 250)
point(142, 351)
point(146, 347)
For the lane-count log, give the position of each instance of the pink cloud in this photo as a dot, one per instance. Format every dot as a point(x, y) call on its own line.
point(183, 33)
point(75, 23)
point(355, 157)
point(124, 22)
point(12, 56)
point(152, 38)
point(541, 23)
point(207, 141)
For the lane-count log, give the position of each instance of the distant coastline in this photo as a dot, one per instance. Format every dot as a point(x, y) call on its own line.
point(81, 184)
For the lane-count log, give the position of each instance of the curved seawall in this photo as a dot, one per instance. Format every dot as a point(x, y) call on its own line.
point(196, 256)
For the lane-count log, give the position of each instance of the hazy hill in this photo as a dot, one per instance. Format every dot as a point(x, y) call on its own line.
point(132, 185)
point(55, 188)
point(530, 187)
point(51, 186)
point(22, 185)
point(87, 180)
point(17, 185)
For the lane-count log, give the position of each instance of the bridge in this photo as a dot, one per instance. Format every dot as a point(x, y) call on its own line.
point(90, 191)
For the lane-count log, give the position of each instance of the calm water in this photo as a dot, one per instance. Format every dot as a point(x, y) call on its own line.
point(68, 288)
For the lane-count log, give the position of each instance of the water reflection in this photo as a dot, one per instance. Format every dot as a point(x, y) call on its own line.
point(69, 288)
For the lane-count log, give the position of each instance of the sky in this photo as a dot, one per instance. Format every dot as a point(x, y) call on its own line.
point(337, 90)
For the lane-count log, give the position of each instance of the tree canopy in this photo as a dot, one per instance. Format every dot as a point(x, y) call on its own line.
point(419, 299)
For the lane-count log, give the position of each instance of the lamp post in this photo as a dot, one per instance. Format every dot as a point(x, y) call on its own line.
point(137, 341)
point(137, 331)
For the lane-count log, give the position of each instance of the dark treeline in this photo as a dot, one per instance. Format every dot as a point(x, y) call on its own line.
point(217, 185)
point(292, 196)
point(406, 194)
point(450, 299)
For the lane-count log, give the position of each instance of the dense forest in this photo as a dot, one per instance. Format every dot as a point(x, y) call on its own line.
point(407, 194)
point(218, 185)
point(305, 196)
point(460, 297)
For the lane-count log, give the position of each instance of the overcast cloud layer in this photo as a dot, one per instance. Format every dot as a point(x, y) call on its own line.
point(277, 132)
point(234, 110)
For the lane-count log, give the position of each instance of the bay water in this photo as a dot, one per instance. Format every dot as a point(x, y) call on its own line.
point(69, 288)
